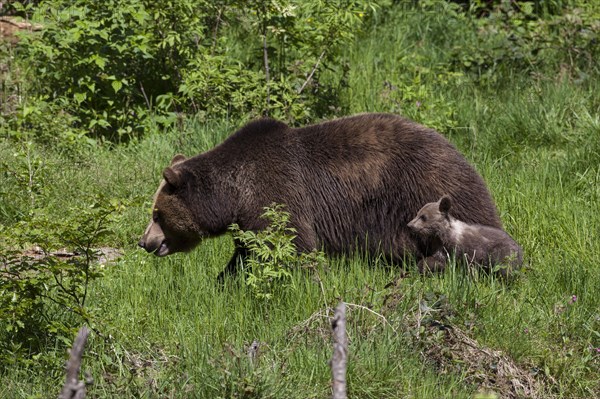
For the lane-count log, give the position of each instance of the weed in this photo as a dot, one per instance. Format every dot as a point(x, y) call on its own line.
point(272, 253)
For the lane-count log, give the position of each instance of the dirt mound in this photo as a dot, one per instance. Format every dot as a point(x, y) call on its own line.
point(489, 369)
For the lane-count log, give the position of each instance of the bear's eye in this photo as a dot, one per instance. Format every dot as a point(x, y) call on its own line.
point(155, 216)
point(424, 218)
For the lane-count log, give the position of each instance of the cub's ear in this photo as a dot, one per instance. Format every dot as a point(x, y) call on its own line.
point(177, 158)
point(445, 204)
point(172, 176)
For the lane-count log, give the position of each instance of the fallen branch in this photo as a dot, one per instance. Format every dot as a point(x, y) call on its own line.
point(74, 388)
point(385, 321)
point(22, 25)
point(339, 359)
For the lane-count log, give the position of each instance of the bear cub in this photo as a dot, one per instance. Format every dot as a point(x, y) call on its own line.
point(473, 243)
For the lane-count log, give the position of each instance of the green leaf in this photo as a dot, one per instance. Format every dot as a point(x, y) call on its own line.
point(80, 97)
point(101, 62)
point(117, 85)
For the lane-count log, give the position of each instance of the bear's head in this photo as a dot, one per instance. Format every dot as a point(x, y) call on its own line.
point(432, 219)
point(173, 227)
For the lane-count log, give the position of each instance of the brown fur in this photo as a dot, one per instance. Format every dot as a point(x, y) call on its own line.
point(350, 182)
point(473, 243)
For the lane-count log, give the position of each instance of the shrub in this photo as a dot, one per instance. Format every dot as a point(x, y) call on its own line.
point(43, 293)
point(283, 46)
point(524, 36)
point(109, 65)
point(416, 93)
point(107, 61)
point(272, 253)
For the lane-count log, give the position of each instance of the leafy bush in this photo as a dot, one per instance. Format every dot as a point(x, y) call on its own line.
point(415, 93)
point(43, 293)
point(281, 47)
point(520, 35)
point(272, 253)
point(105, 62)
point(109, 65)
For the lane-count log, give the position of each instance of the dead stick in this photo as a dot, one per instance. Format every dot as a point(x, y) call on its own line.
point(267, 70)
point(339, 360)
point(73, 388)
point(311, 73)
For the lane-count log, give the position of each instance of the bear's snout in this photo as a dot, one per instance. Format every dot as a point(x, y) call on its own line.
point(411, 224)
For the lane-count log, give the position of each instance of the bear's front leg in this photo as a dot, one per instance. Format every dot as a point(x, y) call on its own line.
point(239, 258)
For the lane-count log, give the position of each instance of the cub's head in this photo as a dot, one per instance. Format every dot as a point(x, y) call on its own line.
point(172, 227)
point(432, 219)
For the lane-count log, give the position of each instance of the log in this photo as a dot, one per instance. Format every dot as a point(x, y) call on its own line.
point(74, 388)
point(339, 360)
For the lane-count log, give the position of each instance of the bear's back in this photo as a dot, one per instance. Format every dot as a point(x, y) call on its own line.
point(256, 135)
point(395, 159)
point(489, 245)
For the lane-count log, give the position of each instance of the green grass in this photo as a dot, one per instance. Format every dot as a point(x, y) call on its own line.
point(171, 331)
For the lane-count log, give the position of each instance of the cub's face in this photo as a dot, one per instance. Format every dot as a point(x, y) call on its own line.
point(172, 228)
point(432, 218)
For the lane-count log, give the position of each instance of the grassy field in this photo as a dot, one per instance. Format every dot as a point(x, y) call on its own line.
point(169, 330)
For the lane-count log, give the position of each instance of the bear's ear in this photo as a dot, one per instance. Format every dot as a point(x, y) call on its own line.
point(445, 204)
point(172, 176)
point(177, 158)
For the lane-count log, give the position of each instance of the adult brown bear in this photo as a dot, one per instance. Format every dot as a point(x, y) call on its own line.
point(348, 183)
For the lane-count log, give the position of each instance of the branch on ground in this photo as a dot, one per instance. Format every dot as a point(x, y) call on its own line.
point(340, 352)
point(74, 388)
